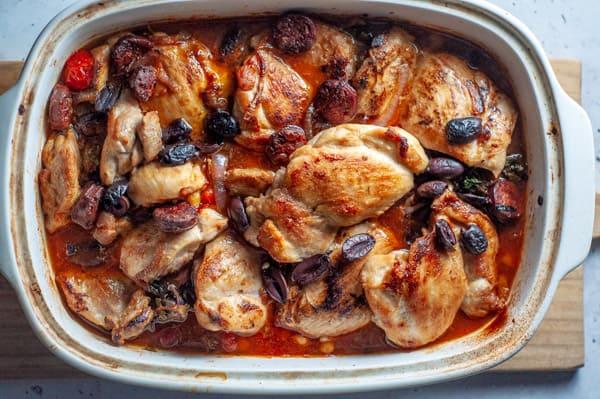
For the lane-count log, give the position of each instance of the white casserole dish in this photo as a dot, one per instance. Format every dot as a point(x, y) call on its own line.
point(557, 134)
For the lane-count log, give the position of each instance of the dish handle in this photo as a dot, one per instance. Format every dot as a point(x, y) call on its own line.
point(579, 190)
point(8, 111)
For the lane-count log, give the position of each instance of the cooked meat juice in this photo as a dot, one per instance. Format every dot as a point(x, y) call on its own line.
point(285, 186)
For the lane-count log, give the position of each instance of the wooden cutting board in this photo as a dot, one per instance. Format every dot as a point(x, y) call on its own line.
point(558, 344)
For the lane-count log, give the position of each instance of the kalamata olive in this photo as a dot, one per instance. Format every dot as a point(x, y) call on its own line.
point(237, 215)
point(506, 207)
point(177, 131)
point(85, 210)
point(222, 124)
point(86, 253)
point(127, 50)
point(336, 101)
point(107, 96)
point(478, 201)
point(142, 82)
point(445, 235)
point(463, 130)
point(274, 283)
point(60, 107)
point(310, 269)
point(114, 199)
point(283, 143)
point(445, 168)
point(175, 218)
point(432, 189)
point(294, 33)
point(177, 154)
point(473, 239)
point(357, 246)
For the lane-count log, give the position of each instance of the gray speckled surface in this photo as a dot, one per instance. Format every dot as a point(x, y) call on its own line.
point(567, 29)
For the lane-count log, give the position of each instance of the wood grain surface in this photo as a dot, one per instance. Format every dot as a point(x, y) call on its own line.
point(557, 345)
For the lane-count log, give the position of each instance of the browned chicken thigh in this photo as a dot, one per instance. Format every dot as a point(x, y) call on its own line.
point(270, 95)
point(154, 183)
point(353, 172)
point(188, 80)
point(415, 294)
point(335, 304)
point(444, 89)
point(228, 287)
point(384, 79)
point(109, 301)
point(121, 150)
point(148, 253)
point(482, 293)
point(59, 179)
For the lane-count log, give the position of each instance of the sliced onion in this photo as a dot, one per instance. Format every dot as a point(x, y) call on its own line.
point(219, 166)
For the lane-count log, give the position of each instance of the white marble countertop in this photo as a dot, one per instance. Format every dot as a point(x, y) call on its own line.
point(567, 29)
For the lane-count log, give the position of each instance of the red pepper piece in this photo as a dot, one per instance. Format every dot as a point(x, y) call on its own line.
point(78, 72)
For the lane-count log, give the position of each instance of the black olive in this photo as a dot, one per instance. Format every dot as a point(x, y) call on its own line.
point(357, 246)
point(222, 124)
point(107, 96)
point(432, 189)
point(237, 215)
point(177, 154)
point(445, 235)
point(274, 282)
point(445, 168)
point(463, 130)
point(474, 240)
point(114, 199)
point(310, 269)
point(178, 131)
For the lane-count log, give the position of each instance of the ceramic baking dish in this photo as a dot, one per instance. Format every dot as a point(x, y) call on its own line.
point(557, 134)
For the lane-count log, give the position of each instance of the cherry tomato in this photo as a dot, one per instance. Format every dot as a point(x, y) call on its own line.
point(207, 197)
point(79, 70)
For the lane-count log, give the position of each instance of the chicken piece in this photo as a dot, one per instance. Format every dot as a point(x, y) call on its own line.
point(109, 301)
point(286, 228)
point(332, 56)
point(121, 151)
point(154, 183)
point(482, 294)
point(228, 285)
point(109, 228)
point(59, 179)
point(270, 95)
point(148, 254)
point(334, 52)
point(248, 181)
point(445, 88)
point(185, 72)
point(415, 294)
point(353, 172)
point(335, 304)
point(383, 80)
point(150, 135)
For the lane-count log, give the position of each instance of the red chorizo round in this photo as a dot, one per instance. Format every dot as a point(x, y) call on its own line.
point(294, 33)
point(335, 101)
point(60, 107)
point(283, 143)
